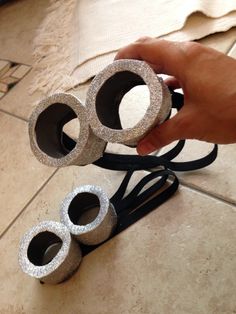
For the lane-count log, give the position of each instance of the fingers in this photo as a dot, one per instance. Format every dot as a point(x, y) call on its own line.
point(173, 129)
point(143, 39)
point(172, 82)
point(164, 56)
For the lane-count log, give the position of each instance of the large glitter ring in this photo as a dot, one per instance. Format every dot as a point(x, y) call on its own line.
point(48, 142)
point(49, 253)
point(106, 92)
point(88, 214)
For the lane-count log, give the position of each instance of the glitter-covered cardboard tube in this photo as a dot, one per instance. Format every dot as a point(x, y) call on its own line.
point(106, 92)
point(48, 142)
point(49, 253)
point(88, 214)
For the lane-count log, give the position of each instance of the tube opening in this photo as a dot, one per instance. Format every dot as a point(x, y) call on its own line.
point(49, 130)
point(134, 105)
point(110, 96)
point(84, 208)
point(43, 248)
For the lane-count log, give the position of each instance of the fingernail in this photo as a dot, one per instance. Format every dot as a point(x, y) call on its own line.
point(145, 148)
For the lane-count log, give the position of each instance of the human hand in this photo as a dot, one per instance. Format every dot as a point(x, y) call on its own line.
point(208, 80)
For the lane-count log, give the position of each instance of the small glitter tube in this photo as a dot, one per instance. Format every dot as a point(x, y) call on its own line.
point(88, 214)
point(106, 92)
point(51, 145)
point(49, 253)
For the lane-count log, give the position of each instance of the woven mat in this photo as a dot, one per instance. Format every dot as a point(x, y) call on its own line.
point(222, 42)
point(196, 27)
point(94, 30)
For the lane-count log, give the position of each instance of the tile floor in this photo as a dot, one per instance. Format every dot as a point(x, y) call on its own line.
point(179, 259)
point(10, 74)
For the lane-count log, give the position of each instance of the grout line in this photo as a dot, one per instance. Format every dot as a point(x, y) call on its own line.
point(28, 203)
point(206, 193)
point(13, 115)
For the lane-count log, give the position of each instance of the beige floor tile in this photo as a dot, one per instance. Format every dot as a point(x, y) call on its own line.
point(3, 87)
point(18, 100)
point(20, 20)
point(179, 259)
point(21, 71)
point(9, 80)
point(4, 66)
point(21, 174)
point(218, 178)
point(10, 71)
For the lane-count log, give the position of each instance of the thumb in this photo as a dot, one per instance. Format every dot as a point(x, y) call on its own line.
point(171, 130)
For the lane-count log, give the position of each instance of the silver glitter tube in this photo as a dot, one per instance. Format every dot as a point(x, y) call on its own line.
point(49, 253)
point(48, 142)
point(88, 214)
point(106, 92)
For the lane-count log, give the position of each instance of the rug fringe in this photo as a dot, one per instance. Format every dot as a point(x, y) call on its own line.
point(54, 53)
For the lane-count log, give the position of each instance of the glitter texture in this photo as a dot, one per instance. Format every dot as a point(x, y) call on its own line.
point(157, 111)
point(45, 132)
point(100, 228)
point(62, 266)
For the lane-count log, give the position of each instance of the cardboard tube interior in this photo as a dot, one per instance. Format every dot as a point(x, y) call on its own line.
point(110, 96)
